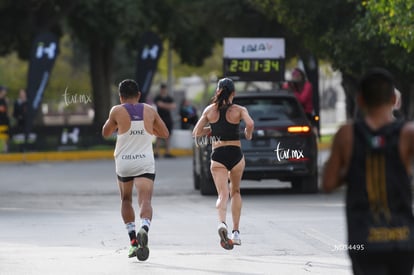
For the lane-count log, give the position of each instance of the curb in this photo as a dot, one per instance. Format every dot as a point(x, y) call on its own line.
point(55, 156)
point(71, 156)
point(88, 155)
point(324, 146)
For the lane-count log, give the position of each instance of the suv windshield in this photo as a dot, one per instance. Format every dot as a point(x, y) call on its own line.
point(270, 108)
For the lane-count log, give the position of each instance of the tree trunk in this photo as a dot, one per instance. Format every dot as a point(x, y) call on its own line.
point(406, 87)
point(350, 85)
point(408, 110)
point(205, 100)
point(101, 77)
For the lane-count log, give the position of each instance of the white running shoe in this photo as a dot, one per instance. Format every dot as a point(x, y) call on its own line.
point(225, 242)
point(235, 237)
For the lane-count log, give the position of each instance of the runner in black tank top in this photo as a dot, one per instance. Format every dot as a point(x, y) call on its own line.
point(373, 156)
point(223, 129)
point(220, 121)
point(379, 191)
point(379, 213)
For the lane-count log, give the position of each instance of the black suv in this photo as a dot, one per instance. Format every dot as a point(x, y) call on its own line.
point(283, 147)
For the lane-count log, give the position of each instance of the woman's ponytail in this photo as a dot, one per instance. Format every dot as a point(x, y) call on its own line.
point(225, 88)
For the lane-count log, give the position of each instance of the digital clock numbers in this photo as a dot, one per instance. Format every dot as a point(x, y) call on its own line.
point(264, 69)
point(254, 58)
point(254, 65)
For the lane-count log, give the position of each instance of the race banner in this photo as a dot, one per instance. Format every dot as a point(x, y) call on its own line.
point(150, 51)
point(45, 48)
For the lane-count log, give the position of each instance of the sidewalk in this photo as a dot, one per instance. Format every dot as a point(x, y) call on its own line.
point(181, 144)
point(89, 155)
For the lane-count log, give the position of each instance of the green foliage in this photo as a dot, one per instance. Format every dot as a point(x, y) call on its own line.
point(102, 26)
point(13, 74)
point(183, 24)
point(211, 65)
point(194, 27)
point(108, 21)
point(352, 34)
point(393, 19)
point(202, 99)
point(65, 76)
point(344, 32)
point(21, 20)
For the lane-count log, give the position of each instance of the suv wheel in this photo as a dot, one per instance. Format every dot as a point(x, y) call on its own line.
point(196, 177)
point(207, 186)
point(307, 184)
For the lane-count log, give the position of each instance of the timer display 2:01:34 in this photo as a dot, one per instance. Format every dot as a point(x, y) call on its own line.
point(254, 65)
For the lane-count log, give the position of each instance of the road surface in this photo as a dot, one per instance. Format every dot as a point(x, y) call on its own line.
point(64, 218)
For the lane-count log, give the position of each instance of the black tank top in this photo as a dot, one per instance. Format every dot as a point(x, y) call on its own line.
point(379, 198)
point(224, 130)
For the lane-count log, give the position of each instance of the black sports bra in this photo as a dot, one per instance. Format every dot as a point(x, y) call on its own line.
point(223, 129)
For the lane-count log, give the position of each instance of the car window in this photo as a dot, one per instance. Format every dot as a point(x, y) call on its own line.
point(271, 108)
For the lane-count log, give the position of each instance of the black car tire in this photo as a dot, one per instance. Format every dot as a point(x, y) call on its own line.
point(207, 187)
point(196, 177)
point(307, 184)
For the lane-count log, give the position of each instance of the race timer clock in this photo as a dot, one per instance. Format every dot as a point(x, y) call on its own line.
point(254, 65)
point(254, 69)
point(254, 59)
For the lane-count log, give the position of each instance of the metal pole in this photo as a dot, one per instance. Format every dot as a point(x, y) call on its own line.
point(170, 69)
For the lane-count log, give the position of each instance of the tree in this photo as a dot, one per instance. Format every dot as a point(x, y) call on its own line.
point(21, 20)
point(339, 32)
point(195, 29)
point(104, 26)
point(391, 18)
point(100, 25)
point(192, 28)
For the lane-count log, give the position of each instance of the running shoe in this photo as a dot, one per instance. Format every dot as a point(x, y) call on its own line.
point(143, 250)
point(225, 242)
point(235, 237)
point(133, 249)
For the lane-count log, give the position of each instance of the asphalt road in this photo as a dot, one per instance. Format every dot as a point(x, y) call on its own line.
point(64, 218)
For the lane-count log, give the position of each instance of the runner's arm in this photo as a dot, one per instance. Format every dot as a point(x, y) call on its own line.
point(200, 128)
point(159, 128)
point(334, 169)
point(248, 131)
point(110, 125)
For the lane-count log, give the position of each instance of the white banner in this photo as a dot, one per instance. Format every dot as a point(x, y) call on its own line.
point(254, 48)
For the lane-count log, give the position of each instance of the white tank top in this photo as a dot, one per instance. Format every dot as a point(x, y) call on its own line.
point(133, 154)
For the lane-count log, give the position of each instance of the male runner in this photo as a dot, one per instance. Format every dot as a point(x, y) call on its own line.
point(373, 156)
point(135, 123)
